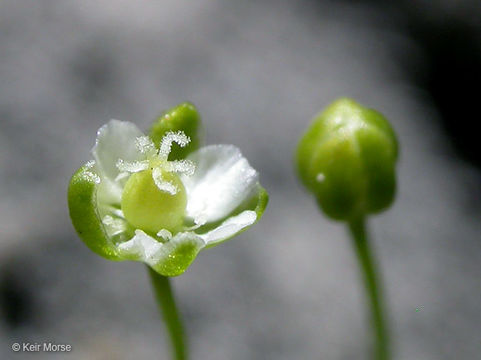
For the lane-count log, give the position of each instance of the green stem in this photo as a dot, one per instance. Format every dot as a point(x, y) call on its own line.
point(166, 302)
point(371, 282)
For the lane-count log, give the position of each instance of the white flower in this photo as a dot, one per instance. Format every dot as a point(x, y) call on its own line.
point(158, 211)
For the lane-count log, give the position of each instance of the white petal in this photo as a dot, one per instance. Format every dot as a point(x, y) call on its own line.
point(229, 228)
point(141, 247)
point(109, 192)
point(223, 179)
point(146, 146)
point(116, 140)
point(145, 248)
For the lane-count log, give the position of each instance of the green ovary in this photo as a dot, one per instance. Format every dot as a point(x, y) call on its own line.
point(149, 209)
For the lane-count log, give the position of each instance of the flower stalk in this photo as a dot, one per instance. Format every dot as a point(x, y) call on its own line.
point(373, 290)
point(165, 299)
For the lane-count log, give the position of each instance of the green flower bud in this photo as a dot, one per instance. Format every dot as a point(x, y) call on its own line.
point(347, 160)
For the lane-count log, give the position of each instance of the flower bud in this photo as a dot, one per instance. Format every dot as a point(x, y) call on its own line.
point(347, 160)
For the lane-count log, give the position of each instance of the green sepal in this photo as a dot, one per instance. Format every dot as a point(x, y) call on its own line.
point(262, 201)
point(176, 256)
point(347, 159)
point(82, 203)
point(183, 117)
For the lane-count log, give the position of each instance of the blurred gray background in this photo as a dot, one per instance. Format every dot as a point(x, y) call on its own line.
point(257, 71)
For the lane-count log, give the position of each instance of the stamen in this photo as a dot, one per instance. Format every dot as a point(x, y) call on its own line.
point(132, 167)
point(165, 234)
point(200, 220)
point(194, 227)
point(115, 211)
point(186, 167)
point(170, 137)
point(145, 145)
point(161, 184)
point(122, 176)
point(114, 226)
